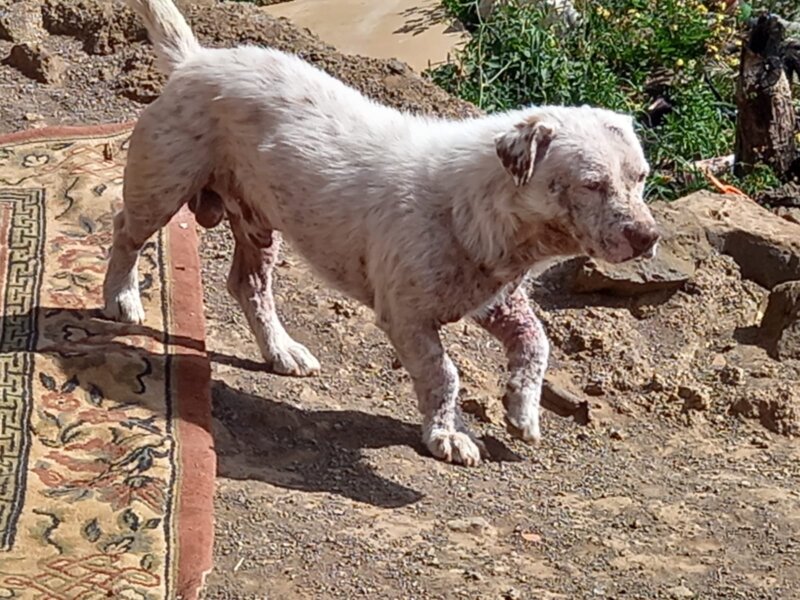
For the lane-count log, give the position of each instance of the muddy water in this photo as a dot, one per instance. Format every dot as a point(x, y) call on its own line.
point(414, 31)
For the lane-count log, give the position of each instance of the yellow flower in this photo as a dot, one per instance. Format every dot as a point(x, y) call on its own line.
point(679, 63)
point(713, 49)
point(701, 8)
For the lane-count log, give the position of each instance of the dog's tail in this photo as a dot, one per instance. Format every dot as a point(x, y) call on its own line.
point(169, 32)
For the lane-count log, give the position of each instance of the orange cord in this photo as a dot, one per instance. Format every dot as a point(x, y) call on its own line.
point(723, 187)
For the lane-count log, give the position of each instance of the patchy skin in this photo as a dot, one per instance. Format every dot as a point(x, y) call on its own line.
point(512, 321)
point(427, 221)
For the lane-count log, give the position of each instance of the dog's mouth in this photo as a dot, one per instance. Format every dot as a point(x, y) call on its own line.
point(611, 252)
point(616, 249)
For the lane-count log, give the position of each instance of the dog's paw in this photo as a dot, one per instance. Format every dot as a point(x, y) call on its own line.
point(293, 359)
point(522, 414)
point(458, 447)
point(526, 428)
point(125, 307)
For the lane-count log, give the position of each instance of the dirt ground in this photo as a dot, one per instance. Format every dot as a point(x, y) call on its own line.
point(324, 490)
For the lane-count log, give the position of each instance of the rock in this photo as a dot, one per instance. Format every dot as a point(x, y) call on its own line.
point(472, 525)
point(594, 388)
point(511, 594)
point(616, 434)
point(140, 81)
point(21, 21)
point(731, 375)
point(656, 384)
point(774, 403)
point(557, 398)
point(681, 592)
point(780, 326)
point(485, 408)
point(765, 246)
point(101, 26)
point(785, 195)
point(790, 214)
point(694, 398)
point(35, 62)
point(666, 271)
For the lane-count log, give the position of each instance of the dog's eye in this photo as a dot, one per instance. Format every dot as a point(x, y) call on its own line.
point(593, 185)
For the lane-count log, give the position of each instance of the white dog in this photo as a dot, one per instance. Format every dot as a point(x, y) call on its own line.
point(425, 220)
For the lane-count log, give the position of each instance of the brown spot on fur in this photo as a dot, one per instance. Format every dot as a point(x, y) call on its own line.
point(557, 237)
point(616, 131)
point(522, 148)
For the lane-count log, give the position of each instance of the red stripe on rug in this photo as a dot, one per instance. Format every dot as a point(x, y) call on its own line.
point(192, 377)
point(65, 130)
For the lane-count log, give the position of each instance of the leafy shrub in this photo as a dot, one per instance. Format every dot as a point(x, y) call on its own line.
point(521, 55)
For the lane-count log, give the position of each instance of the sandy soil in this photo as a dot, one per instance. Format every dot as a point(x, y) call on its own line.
point(323, 488)
point(418, 32)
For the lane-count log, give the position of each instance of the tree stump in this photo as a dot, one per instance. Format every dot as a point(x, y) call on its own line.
point(765, 123)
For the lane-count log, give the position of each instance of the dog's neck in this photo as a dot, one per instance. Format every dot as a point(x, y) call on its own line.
point(485, 202)
point(494, 234)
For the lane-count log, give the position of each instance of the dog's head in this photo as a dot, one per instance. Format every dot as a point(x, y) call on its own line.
point(584, 168)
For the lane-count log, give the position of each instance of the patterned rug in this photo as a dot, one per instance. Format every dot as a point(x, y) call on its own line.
point(106, 459)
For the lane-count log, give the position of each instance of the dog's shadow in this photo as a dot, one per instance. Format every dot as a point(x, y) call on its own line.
point(256, 438)
point(311, 450)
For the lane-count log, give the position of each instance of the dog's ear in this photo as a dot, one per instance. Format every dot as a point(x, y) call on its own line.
point(522, 148)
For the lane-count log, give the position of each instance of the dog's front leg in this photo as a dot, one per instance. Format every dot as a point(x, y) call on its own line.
point(435, 381)
point(512, 321)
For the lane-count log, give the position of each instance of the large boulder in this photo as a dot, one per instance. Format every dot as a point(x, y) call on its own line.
point(780, 326)
point(666, 272)
point(776, 404)
point(20, 21)
point(765, 246)
point(37, 63)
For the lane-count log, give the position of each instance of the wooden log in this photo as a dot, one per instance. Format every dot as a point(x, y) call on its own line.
point(765, 123)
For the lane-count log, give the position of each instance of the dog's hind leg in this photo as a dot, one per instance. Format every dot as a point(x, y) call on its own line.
point(161, 174)
point(250, 283)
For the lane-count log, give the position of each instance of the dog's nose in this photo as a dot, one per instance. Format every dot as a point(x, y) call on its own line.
point(641, 237)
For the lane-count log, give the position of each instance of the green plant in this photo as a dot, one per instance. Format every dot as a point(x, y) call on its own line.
point(465, 11)
point(522, 55)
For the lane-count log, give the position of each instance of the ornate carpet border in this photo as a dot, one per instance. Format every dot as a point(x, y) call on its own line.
point(191, 374)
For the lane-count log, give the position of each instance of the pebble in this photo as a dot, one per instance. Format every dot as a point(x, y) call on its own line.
point(680, 592)
point(472, 525)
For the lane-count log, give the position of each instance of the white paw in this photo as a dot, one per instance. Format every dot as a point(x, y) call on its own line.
point(458, 447)
point(525, 427)
point(293, 359)
point(522, 415)
point(126, 307)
